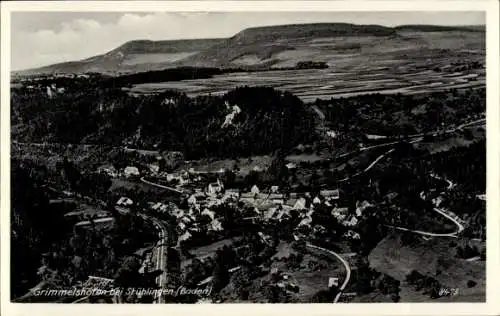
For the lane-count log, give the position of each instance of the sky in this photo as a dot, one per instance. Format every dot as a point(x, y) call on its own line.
point(44, 38)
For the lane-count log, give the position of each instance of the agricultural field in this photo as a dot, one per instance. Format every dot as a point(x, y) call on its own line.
point(363, 75)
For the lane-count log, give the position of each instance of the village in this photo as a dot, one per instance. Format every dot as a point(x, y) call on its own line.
point(261, 205)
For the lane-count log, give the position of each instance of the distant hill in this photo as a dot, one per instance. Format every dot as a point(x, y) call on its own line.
point(133, 56)
point(273, 46)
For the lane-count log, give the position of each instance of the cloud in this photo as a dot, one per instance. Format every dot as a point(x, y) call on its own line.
point(49, 37)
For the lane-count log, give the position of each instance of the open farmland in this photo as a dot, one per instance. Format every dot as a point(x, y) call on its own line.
point(410, 63)
point(326, 83)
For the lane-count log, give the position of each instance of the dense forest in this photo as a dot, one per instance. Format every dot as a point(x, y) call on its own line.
point(268, 120)
point(399, 114)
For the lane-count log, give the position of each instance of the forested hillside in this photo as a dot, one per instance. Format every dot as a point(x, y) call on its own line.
point(266, 120)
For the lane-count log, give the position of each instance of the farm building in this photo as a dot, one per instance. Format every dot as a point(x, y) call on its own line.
point(131, 171)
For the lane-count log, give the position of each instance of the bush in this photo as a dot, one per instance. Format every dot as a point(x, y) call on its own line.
point(471, 283)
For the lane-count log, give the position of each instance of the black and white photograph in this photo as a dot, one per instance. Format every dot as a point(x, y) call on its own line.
point(218, 157)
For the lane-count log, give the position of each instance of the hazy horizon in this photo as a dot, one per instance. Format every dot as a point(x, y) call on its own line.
point(44, 38)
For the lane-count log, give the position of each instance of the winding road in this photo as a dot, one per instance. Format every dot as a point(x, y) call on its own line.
point(344, 262)
point(441, 211)
point(418, 138)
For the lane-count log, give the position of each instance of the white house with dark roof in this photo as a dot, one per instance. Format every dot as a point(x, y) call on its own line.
point(131, 171)
point(361, 207)
point(124, 201)
point(232, 193)
point(215, 225)
point(255, 189)
point(192, 200)
point(340, 213)
point(215, 188)
point(300, 204)
point(330, 194)
point(352, 221)
point(351, 235)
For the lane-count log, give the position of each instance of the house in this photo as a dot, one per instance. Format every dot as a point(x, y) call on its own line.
point(232, 193)
point(124, 201)
point(208, 213)
point(247, 197)
point(154, 168)
point(131, 171)
point(283, 214)
point(319, 229)
point(255, 190)
point(300, 204)
point(291, 202)
point(340, 213)
point(270, 213)
point(215, 188)
point(261, 196)
point(352, 235)
point(215, 225)
point(186, 219)
point(291, 165)
point(194, 229)
point(316, 200)
point(109, 170)
point(353, 221)
point(331, 134)
point(192, 200)
point(330, 194)
point(437, 201)
point(481, 197)
point(293, 195)
point(158, 206)
point(257, 169)
point(360, 207)
point(333, 281)
point(274, 189)
point(275, 196)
